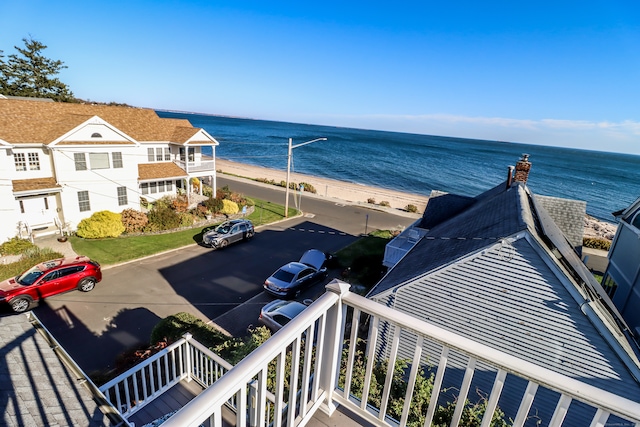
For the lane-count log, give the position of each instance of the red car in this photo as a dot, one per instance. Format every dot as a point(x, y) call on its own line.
point(50, 278)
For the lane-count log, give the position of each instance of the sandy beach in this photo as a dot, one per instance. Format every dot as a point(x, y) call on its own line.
point(329, 188)
point(361, 194)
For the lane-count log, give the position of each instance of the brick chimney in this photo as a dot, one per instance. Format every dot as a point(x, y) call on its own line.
point(522, 169)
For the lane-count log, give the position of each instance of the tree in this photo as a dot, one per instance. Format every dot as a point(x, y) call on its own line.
point(31, 74)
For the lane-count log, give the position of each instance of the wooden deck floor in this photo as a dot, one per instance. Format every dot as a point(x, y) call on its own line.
point(172, 400)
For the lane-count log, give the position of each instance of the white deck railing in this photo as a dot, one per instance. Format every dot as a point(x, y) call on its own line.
point(185, 359)
point(201, 166)
point(306, 377)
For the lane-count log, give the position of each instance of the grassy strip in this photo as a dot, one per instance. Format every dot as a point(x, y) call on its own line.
point(126, 248)
point(32, 257)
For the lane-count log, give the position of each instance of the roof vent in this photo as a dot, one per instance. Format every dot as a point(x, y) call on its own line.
point(96, 135)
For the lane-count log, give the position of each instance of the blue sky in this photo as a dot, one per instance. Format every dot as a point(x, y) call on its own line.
point(553, 73)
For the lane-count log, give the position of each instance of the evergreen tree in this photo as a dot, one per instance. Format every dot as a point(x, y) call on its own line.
point(31, 74)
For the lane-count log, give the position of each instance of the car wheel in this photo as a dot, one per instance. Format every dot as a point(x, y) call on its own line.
point(249, 236)
point(223, 243)
point(20, 305)
point(87, 284)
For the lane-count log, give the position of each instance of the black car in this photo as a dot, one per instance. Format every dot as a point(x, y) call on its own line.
point(290, 279)
point(228, 232)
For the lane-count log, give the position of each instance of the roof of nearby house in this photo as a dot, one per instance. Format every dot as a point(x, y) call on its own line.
point(37, 389)
point(28, 122)
point(501, 272)
point(35, 184)
point(165, 170)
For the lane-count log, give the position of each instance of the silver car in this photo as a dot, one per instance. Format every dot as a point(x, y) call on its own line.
point(228, 232)
point(292, 278)
point(278, 313)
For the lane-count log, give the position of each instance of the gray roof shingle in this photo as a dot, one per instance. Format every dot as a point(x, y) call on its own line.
point(36, 388)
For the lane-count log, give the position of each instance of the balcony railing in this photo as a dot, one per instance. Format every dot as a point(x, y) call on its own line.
point(201, 166)
point(186, 359)
point(306, 377)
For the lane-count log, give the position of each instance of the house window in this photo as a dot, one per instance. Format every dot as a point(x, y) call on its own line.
point(99, 160)
point(122, 196)
point(145, 188)
point(21, 163)
point(153, 187)
point(158, 154)
point(610, 286)
point(150, 154)
point(161, 187)
point(169, 185)
point(167, 154)
point(83, 201)
point(46, 203)
point(81, 161)
point(34, 162)
point(21, 206)
point(116, 158)
point(96, 135)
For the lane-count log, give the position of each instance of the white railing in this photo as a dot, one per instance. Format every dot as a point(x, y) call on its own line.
point(305, 378)
point(184, 359)
point(202, 166)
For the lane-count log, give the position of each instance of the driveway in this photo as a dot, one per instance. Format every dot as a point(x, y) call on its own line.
point(122, 310)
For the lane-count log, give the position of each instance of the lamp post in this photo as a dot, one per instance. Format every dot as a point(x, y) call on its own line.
point(291, 147)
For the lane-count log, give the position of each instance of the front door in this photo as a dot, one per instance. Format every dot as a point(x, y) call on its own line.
point(37, 211)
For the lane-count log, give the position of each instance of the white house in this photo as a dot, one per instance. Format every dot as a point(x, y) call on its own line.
point(61, 162)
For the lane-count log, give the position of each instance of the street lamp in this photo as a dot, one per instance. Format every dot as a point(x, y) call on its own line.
point(291, 147)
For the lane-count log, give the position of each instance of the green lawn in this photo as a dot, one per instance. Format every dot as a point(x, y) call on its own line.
point(126, 248)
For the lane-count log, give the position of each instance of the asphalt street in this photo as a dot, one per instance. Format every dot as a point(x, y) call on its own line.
point(223, 287)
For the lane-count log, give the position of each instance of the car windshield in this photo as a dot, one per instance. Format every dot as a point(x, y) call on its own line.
point(284, 276)
point(223, 228)
point(29, 276)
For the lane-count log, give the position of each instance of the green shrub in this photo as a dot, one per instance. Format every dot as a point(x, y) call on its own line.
point(214, 205)
point(100, 225)
point(411, 208)
point(229, 207)
point(173, 327)
point(308, 187)
point(162, 217)
point(595, 243)
point(385, 203)
point(134, 221)
point(15, 246)
point(186, 219)
point(371, 201)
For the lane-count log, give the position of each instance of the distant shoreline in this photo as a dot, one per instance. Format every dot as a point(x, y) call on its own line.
point(329, 188)
point(361, 194)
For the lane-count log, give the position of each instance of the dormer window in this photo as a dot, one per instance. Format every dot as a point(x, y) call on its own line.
point(96, 135)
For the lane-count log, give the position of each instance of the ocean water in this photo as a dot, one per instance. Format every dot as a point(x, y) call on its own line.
point(420, 163)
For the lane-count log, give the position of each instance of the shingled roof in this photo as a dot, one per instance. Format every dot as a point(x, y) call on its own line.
point(24, 122)
point(165, 170)
point(37, 389)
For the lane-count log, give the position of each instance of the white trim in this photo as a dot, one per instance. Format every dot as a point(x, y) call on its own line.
point(92, 121)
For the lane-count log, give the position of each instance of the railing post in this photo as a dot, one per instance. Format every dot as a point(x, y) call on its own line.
point(332, 351)
point(187, 357)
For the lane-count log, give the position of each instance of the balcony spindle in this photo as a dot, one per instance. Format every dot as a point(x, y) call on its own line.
point(371, 347)
point(437, 385)
point(390, 371)
point(561, 411)
point(415, 368)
